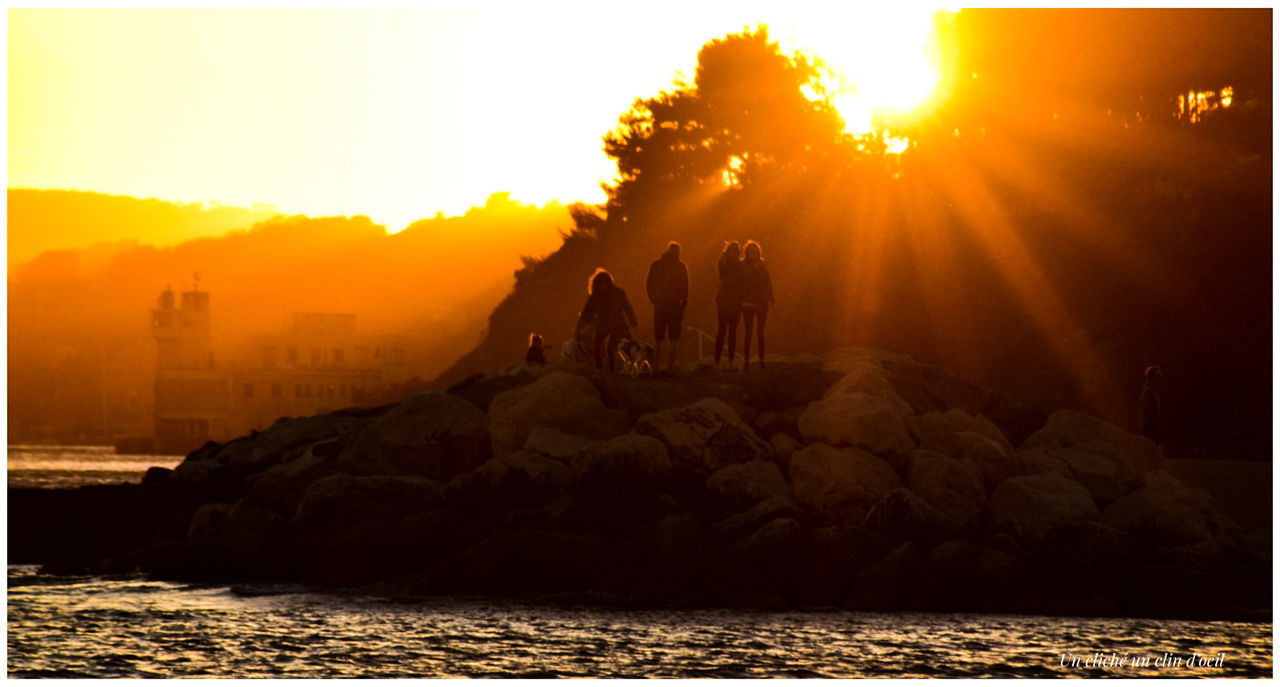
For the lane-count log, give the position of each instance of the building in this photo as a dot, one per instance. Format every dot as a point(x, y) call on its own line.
point(320, 364)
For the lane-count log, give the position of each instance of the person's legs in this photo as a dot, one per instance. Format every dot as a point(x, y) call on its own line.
point(659, 333)
point(760, 328)
point(675, 322)
point(613, 350)
point(598, 348)
point(734, 316)
point(722, 323)
point(748, 323)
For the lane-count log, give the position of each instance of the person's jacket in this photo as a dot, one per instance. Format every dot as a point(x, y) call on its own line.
point(668, 282)
point(729, 292)
point(610, 311)
point(757, 288)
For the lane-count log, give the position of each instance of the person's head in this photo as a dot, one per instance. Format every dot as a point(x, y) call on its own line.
point(732, 249)
point(601, 281)
point(535, 340)
point(673, 250)
point(1152, 373)
point(751, 251)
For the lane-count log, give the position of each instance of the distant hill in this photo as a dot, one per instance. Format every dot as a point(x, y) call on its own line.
point(43, 220)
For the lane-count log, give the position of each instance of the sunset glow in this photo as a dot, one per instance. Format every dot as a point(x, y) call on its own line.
point(396, 114)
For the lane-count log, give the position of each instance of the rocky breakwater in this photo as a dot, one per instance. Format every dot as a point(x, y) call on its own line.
point(858, 479)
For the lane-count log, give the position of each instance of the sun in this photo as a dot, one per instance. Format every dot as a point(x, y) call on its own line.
point(883, 61)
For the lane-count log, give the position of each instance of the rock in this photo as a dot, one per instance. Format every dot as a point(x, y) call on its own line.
point(287, 438)
point(558, 400)
point(1099, 467)
point(524, 562)
point(989, 457)
point(1033, 461)
point(523, 479)
point(207, 521)
point(1029, 506)
point(1086, 553)
point(956, 420)
point(690, 568)
point(645, 394)
point(840, 484)
point(631, 460)
point(784, 446)
point(742, 524)
point(1068, 428)
point(774, 549)
point(1166, 512)
point(704, 437)
point(903, 516)
point(555, 444)
point(375, 550)
point(430, 434)
point(480, 389)
point(879, 587)
point(282, 487)
point(953, 486)
point(961, 576)
point(737, 487)
point(338, 502)
point(157, 475)
point(833, 556)
point(769, 423)
point(865, 376)
point(255, 539)
point(857, 419)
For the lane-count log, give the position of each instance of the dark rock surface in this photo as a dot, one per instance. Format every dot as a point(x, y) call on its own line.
point(857, 478)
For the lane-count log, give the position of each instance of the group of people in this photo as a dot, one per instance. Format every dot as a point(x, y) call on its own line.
point(745, 292)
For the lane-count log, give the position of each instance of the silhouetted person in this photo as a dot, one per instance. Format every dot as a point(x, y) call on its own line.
point(535, 353)
point(578, 347)
point(757, 295)
point(728, 297)
point(1149, 410)
point(668, 288)
point(608, 308)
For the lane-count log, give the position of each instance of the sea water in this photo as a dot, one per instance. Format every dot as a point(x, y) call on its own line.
point(118, 627)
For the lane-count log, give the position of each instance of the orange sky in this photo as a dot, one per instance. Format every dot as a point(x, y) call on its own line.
point(396, 114)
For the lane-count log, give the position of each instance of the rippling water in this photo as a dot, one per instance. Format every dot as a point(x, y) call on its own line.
point(51, 467)
point(131, 627)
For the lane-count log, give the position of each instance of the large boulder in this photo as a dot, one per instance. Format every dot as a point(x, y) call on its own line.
point(523, 562)
point(1166, 512)
point(840, 484)
point(631, 460)
point(553, 443)
point(558, 400)
point(950, 485)
point(990, 457)
point(704, 437)
point(955, 420)
point(287, 438)
point(1099, 467)
point(1069, 428)
point(961, 576)
point(903, 516)
point(864, 375)
point(523, 479)
point(1029, 506)
point(745, 522)
point(740, 486)
point(430, 434)
point(1033, 461)
point(774, 549)
point(374, 550)
point(857, 419)
point(688, 567)
point(282, 488)
point(880, 586)
point(339, 502)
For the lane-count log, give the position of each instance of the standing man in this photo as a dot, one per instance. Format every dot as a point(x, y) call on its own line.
point(668, 290)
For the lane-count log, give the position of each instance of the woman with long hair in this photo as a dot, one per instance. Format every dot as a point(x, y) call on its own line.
point(757, 296)
point(608, 308)
point(728, 297)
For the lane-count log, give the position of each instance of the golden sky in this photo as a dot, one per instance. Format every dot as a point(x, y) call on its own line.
point(396, 114)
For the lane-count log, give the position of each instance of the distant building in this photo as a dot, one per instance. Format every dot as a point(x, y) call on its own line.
point(319, 365)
